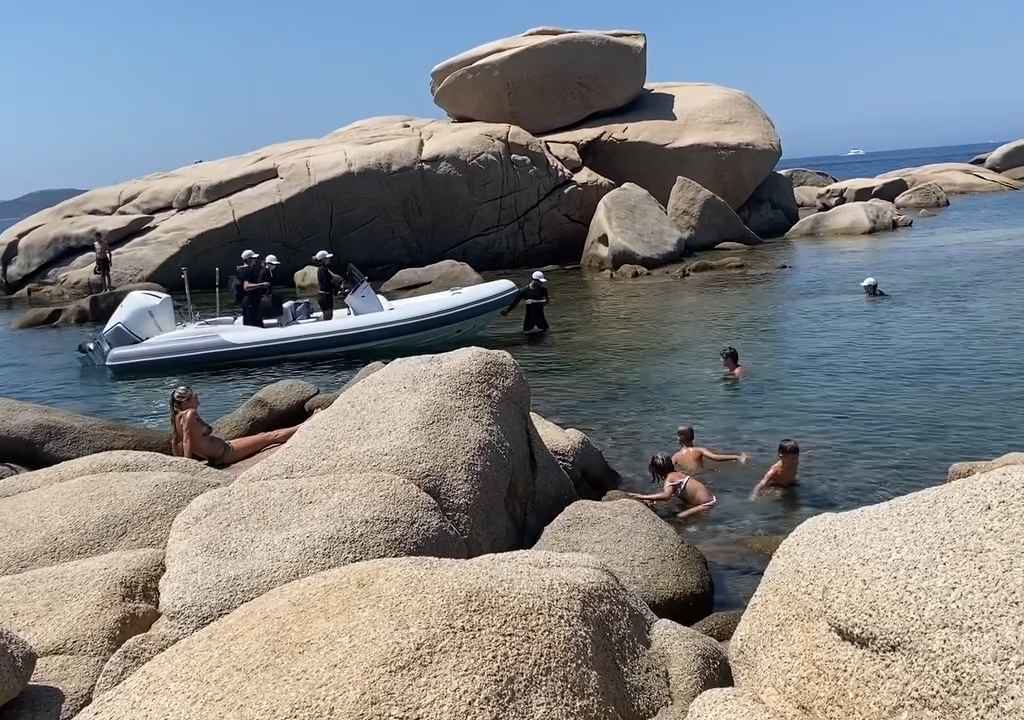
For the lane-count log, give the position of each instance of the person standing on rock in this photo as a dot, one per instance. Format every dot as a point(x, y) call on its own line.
point(535, 296)
point(252, 289)
point(871, 288)
point(677, 485)
point(690, 458)
point(731, 362)
point(104, 260)
point(327, 283)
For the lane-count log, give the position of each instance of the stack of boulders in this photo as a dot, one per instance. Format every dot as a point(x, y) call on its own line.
point(473, 581)
point(543, 125)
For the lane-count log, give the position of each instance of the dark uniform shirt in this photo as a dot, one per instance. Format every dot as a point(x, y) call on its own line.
point(250, 275)
point(325, 279)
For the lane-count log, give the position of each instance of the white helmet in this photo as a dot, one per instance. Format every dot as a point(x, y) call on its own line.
point(323, 255)
point(539, 276)
point(271, 260)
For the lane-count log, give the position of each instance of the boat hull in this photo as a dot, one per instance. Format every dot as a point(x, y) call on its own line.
point(442, 321)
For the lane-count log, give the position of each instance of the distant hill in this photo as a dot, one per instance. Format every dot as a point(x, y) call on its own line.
point(33, 202)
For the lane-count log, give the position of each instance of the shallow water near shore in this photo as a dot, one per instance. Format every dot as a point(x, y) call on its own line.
point(881, 394)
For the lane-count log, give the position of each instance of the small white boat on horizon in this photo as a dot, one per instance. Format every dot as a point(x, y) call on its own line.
point(855, 151)
point(142, 335)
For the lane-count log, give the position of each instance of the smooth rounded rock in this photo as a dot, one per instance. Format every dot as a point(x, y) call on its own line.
point(630, 227)
point(926, 195)
point(544, 79)
point(581, 460)
point(880, 612)
point(802, 177)
point(1006, 157)
point(642, 550)
point(861, 190)
point(772, 208)
point(856, 218)
point(17, 661)
point(714, 135)
point(278, 405)
point(703, 218)
point(444, 275)
point(416, 637)
point(37, 436)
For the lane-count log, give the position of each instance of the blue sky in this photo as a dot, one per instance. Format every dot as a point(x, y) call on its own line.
point(94, 93)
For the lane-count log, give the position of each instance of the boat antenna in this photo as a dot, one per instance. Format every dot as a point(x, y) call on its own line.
point(188, 293)
point(216, 281)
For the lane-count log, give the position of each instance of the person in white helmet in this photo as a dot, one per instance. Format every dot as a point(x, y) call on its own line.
point(871, 289)
point(327, 282)
point(535, 296)
point(251, 289)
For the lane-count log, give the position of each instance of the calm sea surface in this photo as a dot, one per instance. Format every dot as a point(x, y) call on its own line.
point(882, 395)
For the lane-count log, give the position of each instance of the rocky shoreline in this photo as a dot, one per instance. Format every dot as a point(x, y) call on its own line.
point(184, 589)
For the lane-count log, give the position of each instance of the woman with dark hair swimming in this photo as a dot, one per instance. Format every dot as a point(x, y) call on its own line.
point(675, 484)
point(192, 437)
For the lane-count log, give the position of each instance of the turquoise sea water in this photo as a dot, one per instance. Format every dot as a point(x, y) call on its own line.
point(882, 395)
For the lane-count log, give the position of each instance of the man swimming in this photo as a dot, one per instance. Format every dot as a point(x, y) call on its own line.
point(731, 362)
point(675, 484)
point(690, 458)
point(783, 473)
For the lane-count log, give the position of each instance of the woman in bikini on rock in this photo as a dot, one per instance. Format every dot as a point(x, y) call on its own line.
point(691, 491)
point(192, 437)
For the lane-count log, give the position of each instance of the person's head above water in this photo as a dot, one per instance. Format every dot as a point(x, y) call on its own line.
point(789, 448)
point(685, 434)
point(870, 286)
point(660, 466)
point(730, 357)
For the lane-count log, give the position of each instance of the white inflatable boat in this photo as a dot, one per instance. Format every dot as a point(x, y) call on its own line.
point(142, 335)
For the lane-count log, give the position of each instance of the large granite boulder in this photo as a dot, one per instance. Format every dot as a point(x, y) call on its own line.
point(772, 208)
point(926, 195)
point(590, 473)
point(802, 177)
point(719, 625)
point(961, 470)
point(1006, 157)
point(716, 136)
point(427, 637)
point(907, 609)
point(630, 227)
point(979, 159)
point(75, 615)
point(92, 515)
point(95, 308)
point(382, 193)
point(235, 544)
point(17, 661)
point(37, 436)
point(643, 551)
point(704, 219)
point(444, 275)
point(544, 79)
point(861, 190)
point(806, 196)
point(112, 461)
point(694, 663)
point(856, 218)
point(955, 178)
point(464, 417)
point(278, 405)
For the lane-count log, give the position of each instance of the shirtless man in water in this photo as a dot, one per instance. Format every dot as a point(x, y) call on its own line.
point(731, 362)
point(783, 473)
point(675, 484)
point(690, 458)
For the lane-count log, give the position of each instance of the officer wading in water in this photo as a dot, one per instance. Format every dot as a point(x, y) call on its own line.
point(535, 296)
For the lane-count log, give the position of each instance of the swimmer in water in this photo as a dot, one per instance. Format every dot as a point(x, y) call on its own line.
point(690, 458)
point(871, 288)
point(675, 484)
point(731, 362)
point(783, 473)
